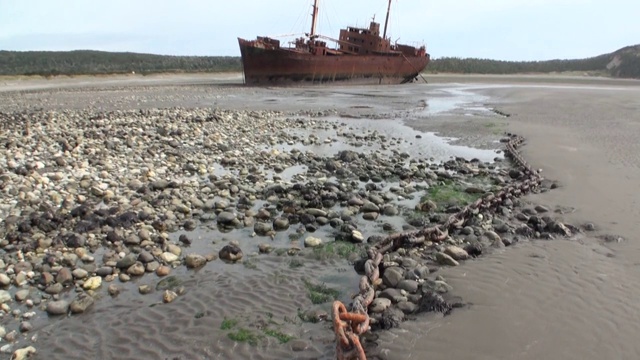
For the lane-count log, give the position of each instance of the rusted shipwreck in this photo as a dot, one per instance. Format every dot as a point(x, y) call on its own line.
point(360, 55)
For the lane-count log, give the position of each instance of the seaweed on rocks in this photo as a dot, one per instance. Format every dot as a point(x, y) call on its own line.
point(434, 302)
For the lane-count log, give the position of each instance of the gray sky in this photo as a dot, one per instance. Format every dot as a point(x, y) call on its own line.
point(496, 29)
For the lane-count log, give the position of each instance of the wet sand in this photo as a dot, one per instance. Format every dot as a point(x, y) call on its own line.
point(560, 299)
point(554, 299)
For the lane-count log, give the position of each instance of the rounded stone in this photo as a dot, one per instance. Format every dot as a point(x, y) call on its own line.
point(312, 242)
point(457, 253)
point(169, 257)
point(92, 283)
point(444, 259)
point(21, 295)
point(226, 218)
point(410, 286)
point(113, 290)
point(356, 236)
point(261, 228)
point(281, 223)
point(163, 270)
point(81, 303)
point(230, 253)
point(392, 276)
point(4, 280)
point(379, 305)
point(168, 296)
point(80, 273)
point(136, 269)
point(59, 307)
point(195, 261)
point(64, 276)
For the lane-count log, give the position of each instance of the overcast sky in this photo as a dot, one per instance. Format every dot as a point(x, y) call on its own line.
point(496, 29)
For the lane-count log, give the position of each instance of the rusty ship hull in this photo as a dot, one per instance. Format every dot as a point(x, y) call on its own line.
point(264, 66)
point(361, 55)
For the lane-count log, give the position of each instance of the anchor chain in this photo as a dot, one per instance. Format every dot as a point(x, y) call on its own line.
point(349, 325)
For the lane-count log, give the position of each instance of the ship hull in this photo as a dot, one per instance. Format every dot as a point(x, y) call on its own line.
point(280, 66)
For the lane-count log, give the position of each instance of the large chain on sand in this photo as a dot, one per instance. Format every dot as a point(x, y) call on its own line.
point(349, 325)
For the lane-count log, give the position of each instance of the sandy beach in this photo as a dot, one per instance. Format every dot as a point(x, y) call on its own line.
point(563, 298)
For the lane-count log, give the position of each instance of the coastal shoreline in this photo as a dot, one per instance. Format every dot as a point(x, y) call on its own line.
point(478, 118)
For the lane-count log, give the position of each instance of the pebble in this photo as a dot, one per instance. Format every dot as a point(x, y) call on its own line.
point(410, 286)
point(168, 257)
point(4, 280)
point(24, 353)
point(312, 242)
point(407, 307)
point(25, 326)
point(113, 290)
point(392, 276)
point(456, 252)
point(104, 271)
point(395, 295)
point(163, 271)
point(299, 345)
point(5, 296)
point(58, 307)
point(444, 259)
point(195, 261)
point(168, 296)
point(379, 305)
point(92, 283)
point(80, 273)
point(137, 269)
point(81, 303)
point(54, 289)
point(230, 252)
point(21, 295)
point(127, 261)
point(356, 236)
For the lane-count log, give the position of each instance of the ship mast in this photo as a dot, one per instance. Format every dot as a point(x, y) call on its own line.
point(314, 20)
point(384, 36)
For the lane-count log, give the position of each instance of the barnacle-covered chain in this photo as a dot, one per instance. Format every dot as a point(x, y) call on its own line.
point(349, 325)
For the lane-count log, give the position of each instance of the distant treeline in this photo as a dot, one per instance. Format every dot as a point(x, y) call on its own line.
point(487, 66)
point(83, 62)
point(623, 63)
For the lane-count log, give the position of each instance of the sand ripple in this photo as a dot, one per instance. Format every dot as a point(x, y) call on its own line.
point(190, 327)
point(554, 300)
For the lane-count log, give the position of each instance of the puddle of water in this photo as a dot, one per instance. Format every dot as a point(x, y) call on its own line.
point(454, 101)
point(428, 145)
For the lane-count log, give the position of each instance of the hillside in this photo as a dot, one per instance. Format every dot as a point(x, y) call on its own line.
point(624, 63)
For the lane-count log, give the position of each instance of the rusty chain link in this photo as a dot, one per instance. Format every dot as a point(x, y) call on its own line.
point(348, 326)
